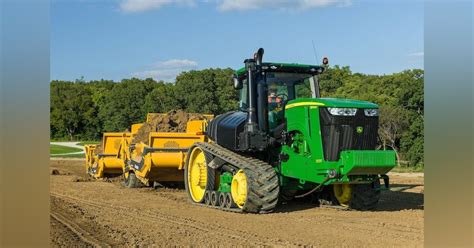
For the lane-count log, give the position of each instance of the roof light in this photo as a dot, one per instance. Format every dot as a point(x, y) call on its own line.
point(325, 61)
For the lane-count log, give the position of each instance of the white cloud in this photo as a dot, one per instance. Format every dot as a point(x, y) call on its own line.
point(417, 54)
point(227, 5)
point(167, 70)
point(177, 63)
point(134, 6)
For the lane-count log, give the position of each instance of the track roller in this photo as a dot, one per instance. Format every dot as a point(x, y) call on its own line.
point(222, 200)
point(215, 198)
point(207, 198)
point(229, 203)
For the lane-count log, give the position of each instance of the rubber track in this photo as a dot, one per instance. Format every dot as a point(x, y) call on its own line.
point(262, 180)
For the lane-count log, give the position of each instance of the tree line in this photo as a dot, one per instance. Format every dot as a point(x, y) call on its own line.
point(83, 110)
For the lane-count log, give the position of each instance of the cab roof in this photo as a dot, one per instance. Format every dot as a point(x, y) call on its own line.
point(284, 67)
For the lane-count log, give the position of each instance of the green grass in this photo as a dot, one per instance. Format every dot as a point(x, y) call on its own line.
point(69, 156)
point(57, 149)
point(88, 143)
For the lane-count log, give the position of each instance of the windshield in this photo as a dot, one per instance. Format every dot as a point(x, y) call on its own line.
point(297, 85)
point(282, 87)
point(303, 89)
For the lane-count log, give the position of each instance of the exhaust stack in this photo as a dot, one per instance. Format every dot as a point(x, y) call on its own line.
point(252, 65)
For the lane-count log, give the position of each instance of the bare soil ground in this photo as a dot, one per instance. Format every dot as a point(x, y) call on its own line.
point(103, 213)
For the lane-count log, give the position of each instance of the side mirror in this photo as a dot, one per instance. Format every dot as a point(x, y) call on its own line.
point(237, 83)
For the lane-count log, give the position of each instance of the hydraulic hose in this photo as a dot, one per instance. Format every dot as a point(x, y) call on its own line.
point(331, 174)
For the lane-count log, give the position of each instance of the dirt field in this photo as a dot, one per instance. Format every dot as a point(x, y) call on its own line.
point(87, 212)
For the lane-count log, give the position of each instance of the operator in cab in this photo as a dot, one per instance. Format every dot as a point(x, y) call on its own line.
point(275, 106)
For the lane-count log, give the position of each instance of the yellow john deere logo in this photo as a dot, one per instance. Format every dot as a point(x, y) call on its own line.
point(360, 130)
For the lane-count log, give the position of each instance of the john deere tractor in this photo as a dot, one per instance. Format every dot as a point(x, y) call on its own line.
point(285, 141)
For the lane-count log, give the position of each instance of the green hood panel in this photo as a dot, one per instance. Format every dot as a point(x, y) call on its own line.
point(331, 102)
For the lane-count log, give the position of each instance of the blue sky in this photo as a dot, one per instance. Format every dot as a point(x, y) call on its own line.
point(159, 38)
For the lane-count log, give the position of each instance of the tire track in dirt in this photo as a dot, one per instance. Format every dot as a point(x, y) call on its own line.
point(76, 225)
point(148, 217)
point(215, 229)
point(360, 222)
point(361, 226)
point(61, 236)
point(78, 232)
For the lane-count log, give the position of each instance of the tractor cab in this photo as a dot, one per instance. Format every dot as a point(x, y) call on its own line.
point(278, 89)
point(265, 91)
point(266, 88)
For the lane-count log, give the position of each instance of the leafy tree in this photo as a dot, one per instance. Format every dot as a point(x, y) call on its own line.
point(162, 99)
point(392, 123)
point(412, 142)
point(72, 112)
point(333, 78)
point(198, 91)
point(124, 104)
point(227, 96)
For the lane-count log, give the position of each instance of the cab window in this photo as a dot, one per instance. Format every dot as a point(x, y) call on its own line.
point(303, 89)
point(244, 96)
point(276, 100)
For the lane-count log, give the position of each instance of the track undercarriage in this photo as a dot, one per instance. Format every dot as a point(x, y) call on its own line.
point(254, 186)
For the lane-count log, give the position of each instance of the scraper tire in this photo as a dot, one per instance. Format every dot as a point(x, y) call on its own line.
point(132, 181)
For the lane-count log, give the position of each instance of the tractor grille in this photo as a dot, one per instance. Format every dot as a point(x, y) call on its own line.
point(340, 133)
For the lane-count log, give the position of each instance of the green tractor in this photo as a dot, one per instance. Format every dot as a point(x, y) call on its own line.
point(287, 142)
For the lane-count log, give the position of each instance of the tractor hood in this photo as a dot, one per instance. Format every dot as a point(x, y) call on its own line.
point(330, 102)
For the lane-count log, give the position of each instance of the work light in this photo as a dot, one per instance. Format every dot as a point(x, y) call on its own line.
point(371, 112)
point(343, 111)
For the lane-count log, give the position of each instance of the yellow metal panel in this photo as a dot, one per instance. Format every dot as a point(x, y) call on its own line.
point(167, 165)
point(90, 158)
point(168, 159)
point(174, 140)
point(111, 142)
point(112, 163)
point(109, 165)
point(135, 127)
point(197, 126)
point(145, 170)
